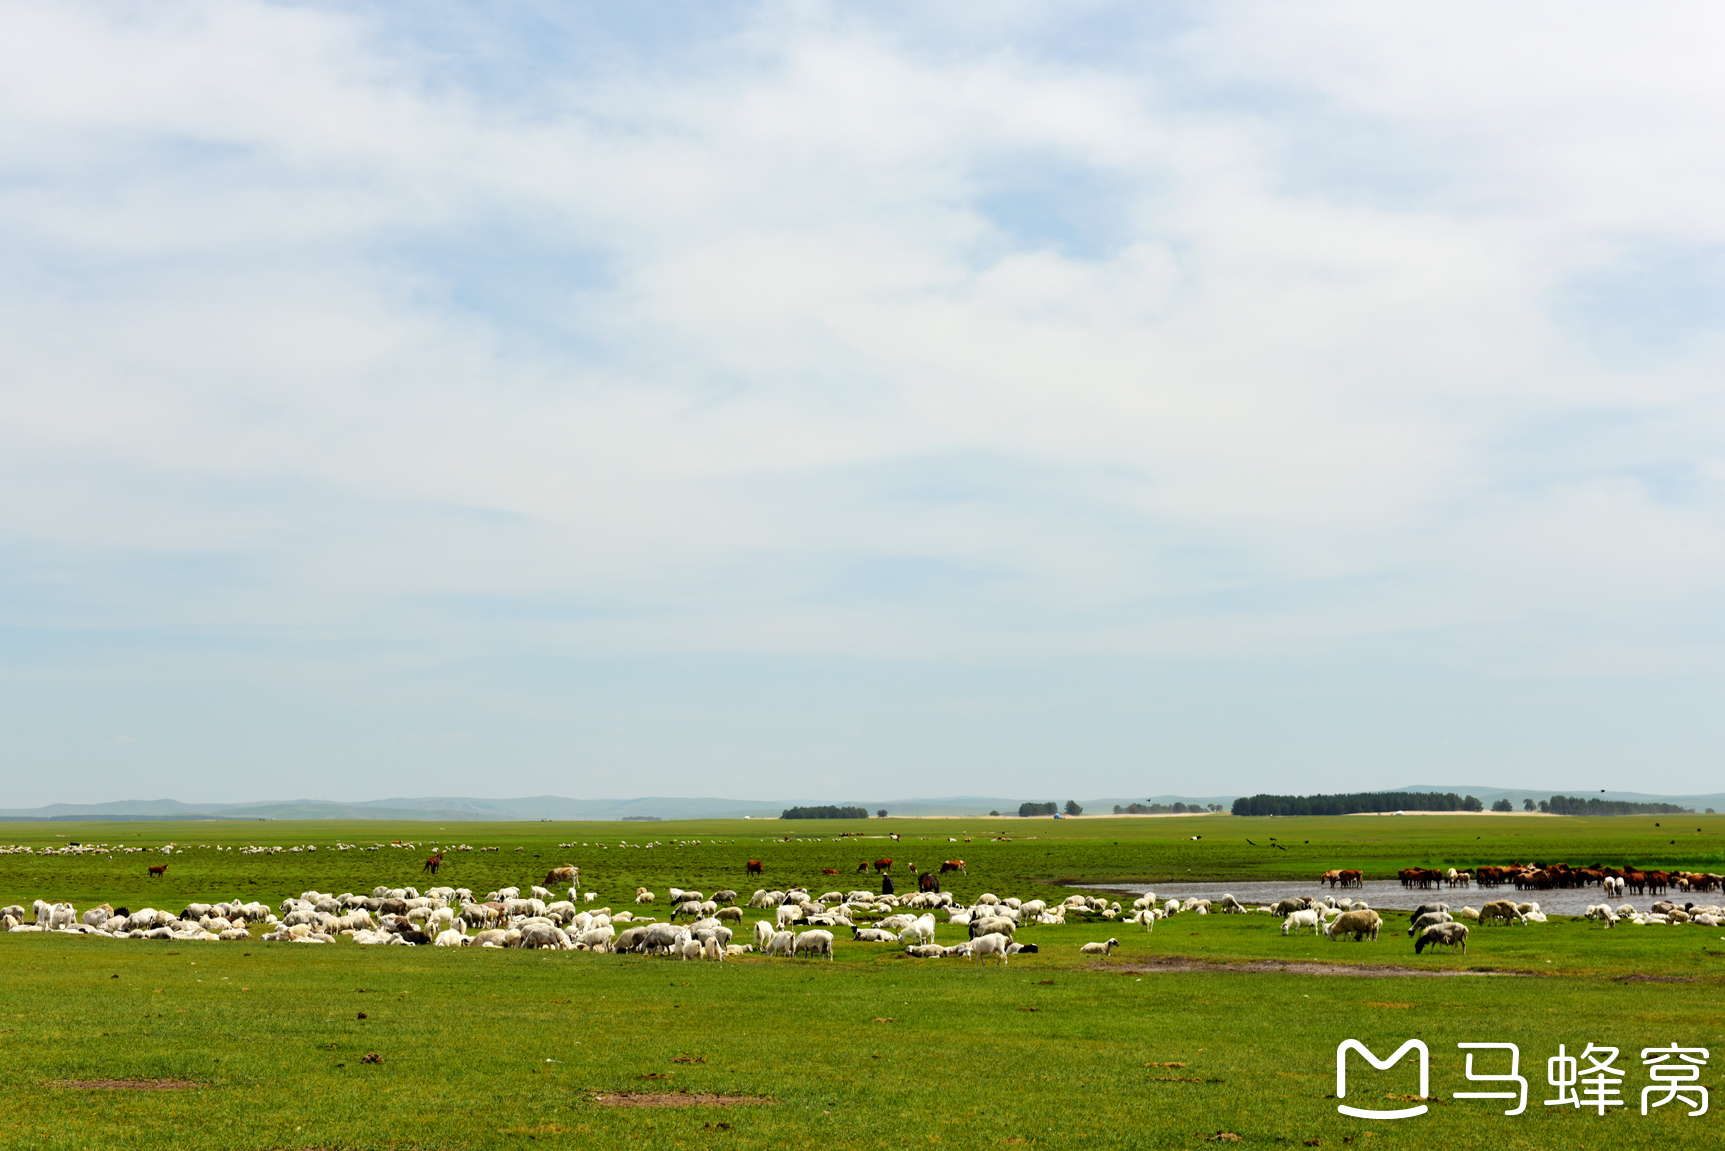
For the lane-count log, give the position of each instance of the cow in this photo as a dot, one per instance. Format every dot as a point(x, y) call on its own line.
point(953, 865)
point(158, 870)
point(1352, 878)
point(753, 867)
point(862, 867)
point(928, 881)
point(432, 863)
point(882, 865)
point(829, 871)
point(560, 875)
point(1331, 877)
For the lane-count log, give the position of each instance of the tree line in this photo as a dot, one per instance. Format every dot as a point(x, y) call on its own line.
point(1355, 802)
point(1351, 803)
point(829, 811)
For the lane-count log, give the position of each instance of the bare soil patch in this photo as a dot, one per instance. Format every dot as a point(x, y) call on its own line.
point(677, 1099)
point(1654, 979)
point(125, 1084)
point(1174, 963)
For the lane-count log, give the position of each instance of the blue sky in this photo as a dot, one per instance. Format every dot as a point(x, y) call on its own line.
point(811, 401)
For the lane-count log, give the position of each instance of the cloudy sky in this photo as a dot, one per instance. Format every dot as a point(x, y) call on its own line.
point(829, 401)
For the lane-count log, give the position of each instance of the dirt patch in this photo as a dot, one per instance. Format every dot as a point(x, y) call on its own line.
point(125, 1084)
point(677, 1099)
point(1174, 963)
point(1654, 979)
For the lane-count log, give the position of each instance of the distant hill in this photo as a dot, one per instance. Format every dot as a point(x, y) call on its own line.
point(447, 809)
point(444, 809)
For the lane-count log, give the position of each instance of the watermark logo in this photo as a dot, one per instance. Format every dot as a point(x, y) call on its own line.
point(1512, 1077)
point(1591, 1079)
point(1382, 1065)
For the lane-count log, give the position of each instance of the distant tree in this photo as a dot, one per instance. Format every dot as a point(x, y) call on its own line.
point(1709, 811)
point(1527, 805)
point(1072, 807)
point(1503, 805)
point(881, 813)
point(1214, 806)
point(1545, 805)
point(1118, 810)
point(994, 813)
point(828, 812)
point(1026, 810)
point(1472, 803)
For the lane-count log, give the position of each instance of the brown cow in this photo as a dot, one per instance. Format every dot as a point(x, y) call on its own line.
point(559, 875)
point(928, 881)
point(156, 870)
point(1352, 878)
point(953, 865)
point(432, 863)
point(753, 867)
point(883, 865)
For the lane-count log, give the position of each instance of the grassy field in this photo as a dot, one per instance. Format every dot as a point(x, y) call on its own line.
point(1180, 1035)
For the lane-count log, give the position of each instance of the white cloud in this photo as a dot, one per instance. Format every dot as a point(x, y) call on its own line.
point(862, 337)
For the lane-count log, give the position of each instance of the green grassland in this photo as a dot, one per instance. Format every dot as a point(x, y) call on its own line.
point(483, 1048)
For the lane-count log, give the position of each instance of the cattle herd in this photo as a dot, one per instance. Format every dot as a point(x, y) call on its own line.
point(1545, 877)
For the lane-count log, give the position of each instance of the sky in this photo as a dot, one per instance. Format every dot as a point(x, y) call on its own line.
point(829, 401)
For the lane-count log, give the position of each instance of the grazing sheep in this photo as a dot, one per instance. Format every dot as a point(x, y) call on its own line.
point(642, 895)
point(1102, 949)
point(1358, 924)
point(692, 948)
point(816, 943)
point(1449, 934)
point(1296, 920)
point(992, 925)
point(1601, 912)
point(599, 938)
point(1500, 910)
point(994, 944)
point(447, 938)
point(782, 943)
point(921, 931)
point(1429, 919)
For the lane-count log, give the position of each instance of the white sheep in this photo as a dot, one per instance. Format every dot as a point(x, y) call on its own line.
point(1102, 949)
point(816, 943)
point(1307, 917)
point(993, 944)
